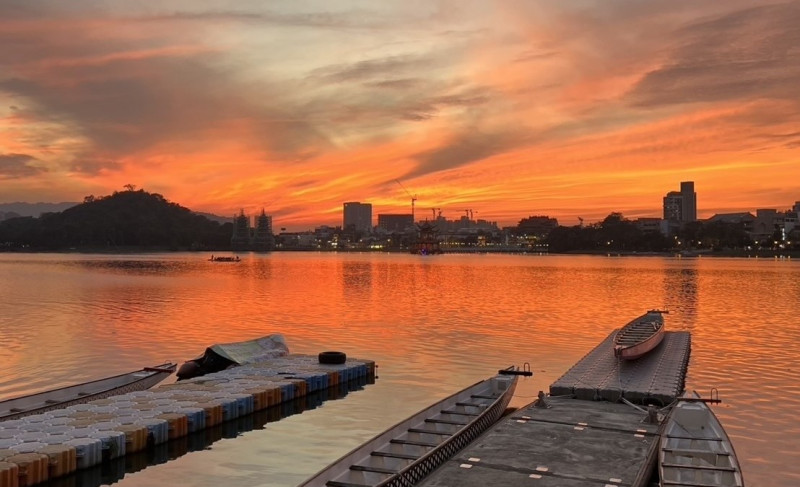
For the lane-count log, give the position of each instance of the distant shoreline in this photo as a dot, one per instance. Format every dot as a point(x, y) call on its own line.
point(750, 254)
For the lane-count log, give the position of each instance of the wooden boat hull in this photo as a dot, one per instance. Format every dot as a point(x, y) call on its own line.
point(410, 450)
point(695, 449)
point(639, 336)
point(81, 393)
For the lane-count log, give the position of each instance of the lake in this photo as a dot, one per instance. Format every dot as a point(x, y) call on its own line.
point(434, 325)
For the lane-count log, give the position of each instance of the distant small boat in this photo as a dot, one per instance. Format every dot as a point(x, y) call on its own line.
point(695, 450)
point(88, 391)
point(224, 259)
point(640, 335)
point(408, 451)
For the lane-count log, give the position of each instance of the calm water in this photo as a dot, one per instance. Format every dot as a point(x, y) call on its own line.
point(434, 325)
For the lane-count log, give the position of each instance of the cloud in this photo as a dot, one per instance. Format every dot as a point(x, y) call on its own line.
point(744, 55)
point(123, 98)
point(15, 166)
point(464, 148)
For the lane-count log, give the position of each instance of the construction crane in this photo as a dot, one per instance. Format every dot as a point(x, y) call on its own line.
point(413, 198)
point(581, 222)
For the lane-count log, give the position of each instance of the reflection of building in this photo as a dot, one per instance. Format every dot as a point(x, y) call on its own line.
point(246, 238)
point(395, 222)
point(359, 215)
point(681, 206)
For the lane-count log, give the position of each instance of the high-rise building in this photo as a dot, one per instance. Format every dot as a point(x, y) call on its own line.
point(688, 202)
point(395, 223)
point(359, 215)
point(681, 206)
point(263, 238)
point(240, 240)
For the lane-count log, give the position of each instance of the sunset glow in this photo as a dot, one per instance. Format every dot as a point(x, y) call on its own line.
point(509, 108)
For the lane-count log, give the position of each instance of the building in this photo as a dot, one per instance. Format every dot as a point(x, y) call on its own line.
point(247, 238)
point(240, 240)
point(263, 238)
point(395, 222)
point(650, 225)
point(681, 206)
point(359, 215)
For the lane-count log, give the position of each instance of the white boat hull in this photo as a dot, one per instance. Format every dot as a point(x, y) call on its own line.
point(695, 450)
point(410, 450)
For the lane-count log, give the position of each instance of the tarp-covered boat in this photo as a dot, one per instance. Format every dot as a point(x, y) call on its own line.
point(406, 452)
point(640, 335)
point(221, 356)
point(88, 391)
point(695, 449)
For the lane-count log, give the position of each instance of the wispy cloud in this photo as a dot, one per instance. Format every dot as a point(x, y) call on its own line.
point(519, 107)
point(17, 166)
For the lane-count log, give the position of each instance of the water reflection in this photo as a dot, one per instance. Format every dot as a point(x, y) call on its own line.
point(681, 290)
point(434, 325)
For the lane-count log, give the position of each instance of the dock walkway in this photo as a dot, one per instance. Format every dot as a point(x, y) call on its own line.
point(587, 436)
point(39, 447)
point(658, 377)
point(573, 443)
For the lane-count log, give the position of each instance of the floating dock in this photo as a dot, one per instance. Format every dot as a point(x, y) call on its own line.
point(658, 377)
point(572, 443)
point(45, 446)
point(583, 434)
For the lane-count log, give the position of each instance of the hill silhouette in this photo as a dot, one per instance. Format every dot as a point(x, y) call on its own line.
point(126, 220)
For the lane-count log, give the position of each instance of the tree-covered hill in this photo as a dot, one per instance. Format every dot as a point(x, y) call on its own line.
point(125, 220)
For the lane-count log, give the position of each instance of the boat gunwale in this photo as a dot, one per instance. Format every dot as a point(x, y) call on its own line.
point(166, 368)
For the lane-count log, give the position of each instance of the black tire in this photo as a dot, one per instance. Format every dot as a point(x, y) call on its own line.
point(332, 358)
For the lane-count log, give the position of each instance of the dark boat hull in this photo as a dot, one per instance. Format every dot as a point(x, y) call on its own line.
point(81, 393)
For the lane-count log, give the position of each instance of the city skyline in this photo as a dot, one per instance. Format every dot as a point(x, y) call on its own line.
point(508, 109)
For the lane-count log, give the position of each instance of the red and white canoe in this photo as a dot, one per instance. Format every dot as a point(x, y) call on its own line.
point(640, 335)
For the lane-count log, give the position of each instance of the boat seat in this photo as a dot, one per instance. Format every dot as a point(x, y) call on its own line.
point(688, 451)
point(699, 467)
point(336, 483)
point(446, 421)
point(402, 456)
point(364, 468)
point(412, 442)
point(482, 396)
point(460, 413)
point(429, 432)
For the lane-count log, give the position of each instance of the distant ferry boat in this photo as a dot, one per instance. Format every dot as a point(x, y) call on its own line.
point(224, 259)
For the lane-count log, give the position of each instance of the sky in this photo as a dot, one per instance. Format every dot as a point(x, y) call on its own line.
point(507, 108)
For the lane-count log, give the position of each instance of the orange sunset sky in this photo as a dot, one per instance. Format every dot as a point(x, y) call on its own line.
point(510, 108)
